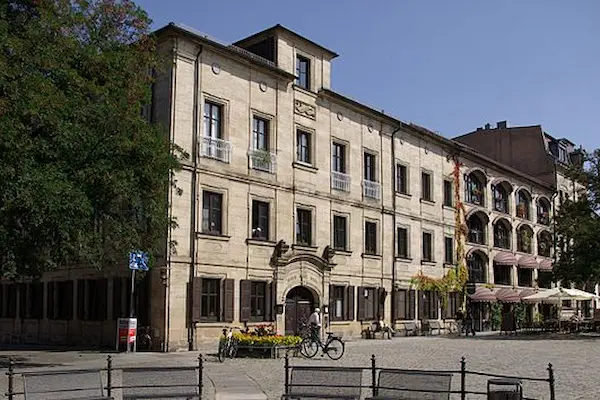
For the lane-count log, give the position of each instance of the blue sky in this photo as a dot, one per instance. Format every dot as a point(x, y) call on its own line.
point(449, 65)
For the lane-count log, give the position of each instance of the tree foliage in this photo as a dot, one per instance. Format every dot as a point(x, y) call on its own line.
point(578, 226)
point(83, 176)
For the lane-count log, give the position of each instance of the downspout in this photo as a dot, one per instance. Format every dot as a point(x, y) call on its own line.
point(193, 224)
point(394, 230)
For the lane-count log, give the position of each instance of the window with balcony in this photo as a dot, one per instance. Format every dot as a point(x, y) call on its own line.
point(476, 225)
point(502, 274)
point(502, 234)
point(401, 179)
point(212, 144)
point(340, 180)
point(544, 244)
point(476, 265)
point(303, 146)
point(303, 72)
point(524, 239)
point(260, 220)
point(543, 211)
point(501, 203)
point(304, 227)
point(523, 205)
point(402, 238)
point(427, 247)
point(426, 186)
point(448, 193)
point(525, 277)
point(475, 188)
point(371, 188)
point(370, 237)
point(340, 232)
point(261, 157)
point(212, 213)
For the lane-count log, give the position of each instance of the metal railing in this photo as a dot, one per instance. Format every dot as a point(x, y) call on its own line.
point(374, 385)
point(218, 149)
point(372, 189)
point(262, 160)
point(340, 181)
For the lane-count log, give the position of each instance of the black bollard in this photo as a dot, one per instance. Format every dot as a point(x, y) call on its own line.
point(108, 375)
point(463, 378)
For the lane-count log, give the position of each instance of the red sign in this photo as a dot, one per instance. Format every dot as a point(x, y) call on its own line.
point(127, 330)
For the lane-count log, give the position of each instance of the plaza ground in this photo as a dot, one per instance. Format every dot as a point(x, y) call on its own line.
point(574, 359)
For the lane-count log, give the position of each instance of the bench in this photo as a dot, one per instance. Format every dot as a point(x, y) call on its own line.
point(407, 384)
point(324, 383)
point(435, 325)
point(147, 383)
point(373, 329)
point(64, 384)
point(410, 328)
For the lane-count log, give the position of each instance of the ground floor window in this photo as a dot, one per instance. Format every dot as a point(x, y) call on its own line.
point(60, 300)
point(341, 303)
point(212, 299)
point(428, 305)
point(405, 304)
point(453, 303)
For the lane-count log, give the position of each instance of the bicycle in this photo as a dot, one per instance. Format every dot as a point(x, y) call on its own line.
point(144, 338)
point(227, 345)
point(333, 347)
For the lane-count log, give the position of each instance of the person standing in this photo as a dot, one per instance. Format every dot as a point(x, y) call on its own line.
point(469, 323)
point(315, 324)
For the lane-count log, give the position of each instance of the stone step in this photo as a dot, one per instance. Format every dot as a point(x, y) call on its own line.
point(232, 383)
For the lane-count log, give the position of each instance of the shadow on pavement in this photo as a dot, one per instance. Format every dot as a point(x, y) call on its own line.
point(24, 362)
point(529, 336)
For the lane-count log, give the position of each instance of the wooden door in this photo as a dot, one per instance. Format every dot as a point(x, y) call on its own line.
point(298, 307)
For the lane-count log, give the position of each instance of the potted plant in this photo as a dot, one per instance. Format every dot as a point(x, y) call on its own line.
point(521, 210)
point(261, 157)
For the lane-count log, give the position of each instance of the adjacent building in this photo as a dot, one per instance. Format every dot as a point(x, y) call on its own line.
point(296, 196)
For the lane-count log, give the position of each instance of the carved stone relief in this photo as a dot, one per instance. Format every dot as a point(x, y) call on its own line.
point(305, 109)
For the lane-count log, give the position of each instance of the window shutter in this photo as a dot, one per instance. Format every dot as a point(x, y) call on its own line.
point(103, 299)
point(245, 294)
point(361, 303)
point(269, 302)
point(229, 285)
point(378, 306)
point(50, 301)
point(81, 299)
point(22, 288)
point(69, 311)
point(410, 314)
point(196, 299)
point(435, 306)
point(350, 304)
point(332, 304)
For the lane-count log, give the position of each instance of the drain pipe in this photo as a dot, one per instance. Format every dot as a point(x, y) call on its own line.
point(394, 230)
point(193, 224)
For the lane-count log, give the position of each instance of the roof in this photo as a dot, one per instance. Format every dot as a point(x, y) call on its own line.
point(227, 48)
point(280, 28)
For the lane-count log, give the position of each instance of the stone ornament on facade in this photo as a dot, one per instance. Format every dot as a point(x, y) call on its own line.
point(216, 68)
point(262, 86)
point(340, 116)
point(305, 109)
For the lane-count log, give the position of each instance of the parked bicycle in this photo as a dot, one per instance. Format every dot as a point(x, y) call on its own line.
point(333, 347)
point(227, 345)
point(144, 338)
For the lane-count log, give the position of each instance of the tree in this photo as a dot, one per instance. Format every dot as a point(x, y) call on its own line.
point(83, 176)
point(578, 226)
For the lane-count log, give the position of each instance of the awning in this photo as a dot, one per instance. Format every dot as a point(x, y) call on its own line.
point(527, 261)
point(505, 258)
point(526, 292)
point(546, 264)
point(508, 295)
point(483, 295)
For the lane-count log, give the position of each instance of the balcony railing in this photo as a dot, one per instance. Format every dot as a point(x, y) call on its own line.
point(262, 160)
point(372, 189)
point(218, 149)
point(340, 181)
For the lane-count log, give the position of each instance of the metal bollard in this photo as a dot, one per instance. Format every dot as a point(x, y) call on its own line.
point(286, 385)
point(200, 373)
point(108, 375)
point(11, 376)
point(463, 378)
point(551, 381)
point(373, 375)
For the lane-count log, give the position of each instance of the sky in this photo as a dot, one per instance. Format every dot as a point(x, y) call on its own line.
point(448, 65)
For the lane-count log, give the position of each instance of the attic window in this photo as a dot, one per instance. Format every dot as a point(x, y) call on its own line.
point(303, 72)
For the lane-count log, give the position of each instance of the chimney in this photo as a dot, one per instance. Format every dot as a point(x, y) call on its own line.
point(501, 125)
point(479, 128)
point(487, 126)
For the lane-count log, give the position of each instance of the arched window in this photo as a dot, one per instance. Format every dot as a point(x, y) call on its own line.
point(476, 265)
point(524, 204)
point(524, 239)
point(543, 211)
point(544, 243)
point(477, 224)
point(502, 234)
point(475, 188)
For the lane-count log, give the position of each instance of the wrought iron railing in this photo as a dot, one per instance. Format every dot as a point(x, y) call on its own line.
point(218, 149)
point(262, 160)
point(372, 189)
point(340, 181)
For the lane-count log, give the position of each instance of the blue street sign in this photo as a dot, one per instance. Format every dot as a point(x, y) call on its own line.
point(138, 260)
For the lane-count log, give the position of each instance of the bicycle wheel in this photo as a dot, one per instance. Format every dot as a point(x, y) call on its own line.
point(222, 353)
point(232, 351)
point(335, 349)
point(309, 348)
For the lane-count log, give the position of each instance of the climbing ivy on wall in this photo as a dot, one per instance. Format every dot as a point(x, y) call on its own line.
point(456, 278)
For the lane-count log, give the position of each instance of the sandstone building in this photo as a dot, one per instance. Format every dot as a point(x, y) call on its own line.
point(296, 196)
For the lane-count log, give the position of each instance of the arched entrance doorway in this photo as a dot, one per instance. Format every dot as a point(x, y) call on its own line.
point(299, 304)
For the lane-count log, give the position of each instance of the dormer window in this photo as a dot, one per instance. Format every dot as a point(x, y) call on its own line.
point(562, 155)
point(303, 72)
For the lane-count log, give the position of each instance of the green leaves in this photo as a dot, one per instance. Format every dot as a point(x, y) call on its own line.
point(84, 177)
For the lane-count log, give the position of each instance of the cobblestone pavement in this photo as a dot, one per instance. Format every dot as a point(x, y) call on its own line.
point(575, 361)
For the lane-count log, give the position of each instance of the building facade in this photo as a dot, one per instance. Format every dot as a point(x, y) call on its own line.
point(295, 197)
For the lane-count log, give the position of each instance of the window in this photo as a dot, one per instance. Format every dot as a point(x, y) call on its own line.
point(502, 274)
point(260, 220)
point(338, 158)
point(257, 301)
point(340, 232)
point(341, 303)
point(370, 237)
point(452, 305)
point(523, 205)
point(449, 250)
point(369, 166)
point(92, 299)
point(476, 267)
point(213, 120)
point(212, 213)
point(401, 179)
point(337, 312)
point(303, 72)
point(60, 300)
point(500, 199)
point(426, 186)
point(304, 227)
point(303, 147)
point(428, 305)
point(524, 238)
point(427, 246)
point(211, 290)
point(8, 301)
point(369, 303)
point(501, 235)
point(31, 300)
point(474, 190)
point(525, 277)
point(402, 238)
point(260, 134)
point(448, 193)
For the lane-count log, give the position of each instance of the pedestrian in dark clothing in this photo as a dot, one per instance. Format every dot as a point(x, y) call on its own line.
point(469, 323)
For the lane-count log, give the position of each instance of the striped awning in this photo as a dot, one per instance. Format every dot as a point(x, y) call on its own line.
point(505, 258)
point(546, 264)
point(508, 295)
point(526, 292)
point(483, 295)
point(527, 261)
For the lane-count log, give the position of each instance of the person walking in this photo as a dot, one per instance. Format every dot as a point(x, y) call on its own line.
point(469, 323)
point(315, 324)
